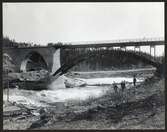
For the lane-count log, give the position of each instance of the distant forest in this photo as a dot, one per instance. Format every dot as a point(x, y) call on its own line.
point(11, 43)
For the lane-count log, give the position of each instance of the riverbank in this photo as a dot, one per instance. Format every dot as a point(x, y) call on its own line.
point(141, 107)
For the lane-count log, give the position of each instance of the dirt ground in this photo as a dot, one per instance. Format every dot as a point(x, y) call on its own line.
point(140, 107)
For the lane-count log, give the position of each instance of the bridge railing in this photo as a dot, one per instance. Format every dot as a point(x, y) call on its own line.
point(116, 41)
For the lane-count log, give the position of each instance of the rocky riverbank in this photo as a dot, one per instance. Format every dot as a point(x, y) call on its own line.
point(142, 107)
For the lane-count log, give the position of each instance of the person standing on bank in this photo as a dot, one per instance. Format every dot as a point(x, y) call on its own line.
point(115, 87)
point(123, 86)
point(134, 80)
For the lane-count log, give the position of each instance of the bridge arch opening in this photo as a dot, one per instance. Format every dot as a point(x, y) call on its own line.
point(33, 62)
point(146, 59)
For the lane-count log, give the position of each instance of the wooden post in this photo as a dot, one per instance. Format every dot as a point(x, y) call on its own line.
point(150, 49)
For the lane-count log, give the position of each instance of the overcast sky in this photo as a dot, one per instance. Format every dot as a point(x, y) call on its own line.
point(52, 22)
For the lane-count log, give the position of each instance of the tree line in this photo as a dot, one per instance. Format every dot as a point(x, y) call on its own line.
point(11, 43)
point(7, 42)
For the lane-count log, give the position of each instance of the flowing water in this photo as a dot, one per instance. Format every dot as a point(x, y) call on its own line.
point(58, 93)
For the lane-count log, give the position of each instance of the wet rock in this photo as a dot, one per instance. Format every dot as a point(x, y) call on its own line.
point(44, 118)
point(70, 82)
point(38, 124)
point(21, 118)
point(11, 111)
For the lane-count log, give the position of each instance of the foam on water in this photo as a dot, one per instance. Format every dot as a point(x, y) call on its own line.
point(42, 98)
point(22, 99)
point(62, 95)
point(57, 83)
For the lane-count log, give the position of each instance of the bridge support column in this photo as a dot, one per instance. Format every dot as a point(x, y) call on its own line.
point(137, 47)
point(154, 52)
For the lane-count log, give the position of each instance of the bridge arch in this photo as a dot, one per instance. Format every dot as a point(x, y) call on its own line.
point(33, 61)
point(144, 57)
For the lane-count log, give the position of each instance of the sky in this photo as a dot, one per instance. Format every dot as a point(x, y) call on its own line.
point(42, 23)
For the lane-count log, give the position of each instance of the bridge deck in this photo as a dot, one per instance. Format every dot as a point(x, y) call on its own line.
point(99, 44)
point(122, 44)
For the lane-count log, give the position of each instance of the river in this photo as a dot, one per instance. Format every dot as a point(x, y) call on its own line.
point(94, 88)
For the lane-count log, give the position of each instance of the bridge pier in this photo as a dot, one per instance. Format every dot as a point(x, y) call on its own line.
point(154, 52)
point(134, 48)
